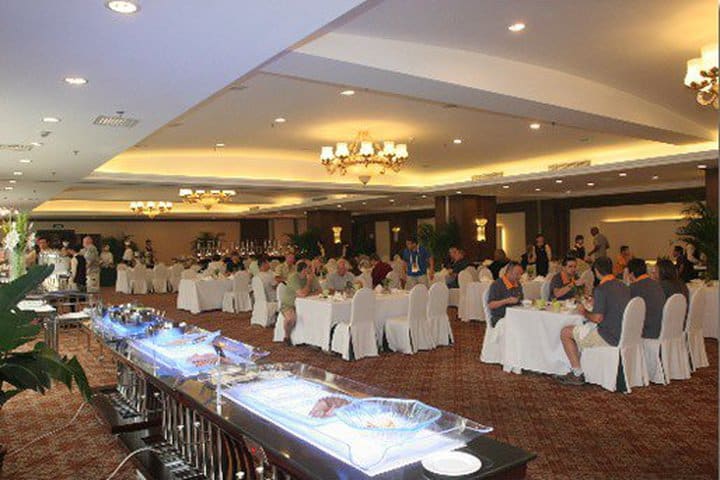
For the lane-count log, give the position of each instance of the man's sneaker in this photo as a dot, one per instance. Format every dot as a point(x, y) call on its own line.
point(572, 379)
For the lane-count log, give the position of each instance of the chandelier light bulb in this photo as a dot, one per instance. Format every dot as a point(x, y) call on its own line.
point(389, 149)
point(341, 150)
point(366, 149)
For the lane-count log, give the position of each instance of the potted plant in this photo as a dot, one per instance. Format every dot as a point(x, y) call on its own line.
point(439, 240)
point(18, 237)
point(23, 368)
point(701, 231)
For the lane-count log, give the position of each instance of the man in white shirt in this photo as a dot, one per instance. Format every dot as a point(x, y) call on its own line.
point(128, 254)
point(267, 277)
point(340, 279)
point(283, 271)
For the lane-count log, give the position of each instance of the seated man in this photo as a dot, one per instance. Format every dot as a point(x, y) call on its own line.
point(380, 269)
point(499, 261)
point(611, 297)
point(505, 291)
point(641, 285)
point(457, 265)
point(341, 279)
point(267, 277)
point(621, 262)
point(283, 271)
point(301, 283)
point(562, 285)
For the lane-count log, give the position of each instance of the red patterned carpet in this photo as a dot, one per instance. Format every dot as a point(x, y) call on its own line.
point(658, 432)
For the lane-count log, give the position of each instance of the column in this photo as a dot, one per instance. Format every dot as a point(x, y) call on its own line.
point(324, 221)
point(475, 216)
point(711, 188)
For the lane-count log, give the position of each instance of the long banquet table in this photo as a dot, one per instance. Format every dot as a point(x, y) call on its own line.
point(201, 294)
point(531, 340)
point(316, 316)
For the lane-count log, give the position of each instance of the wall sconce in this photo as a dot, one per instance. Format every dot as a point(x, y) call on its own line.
point(337, 231)
point(396, 233)
point(480, 229)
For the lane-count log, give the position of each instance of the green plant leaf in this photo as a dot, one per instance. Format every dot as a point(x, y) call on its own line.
point(20, 377)
point(16, 329)
point(11, 293)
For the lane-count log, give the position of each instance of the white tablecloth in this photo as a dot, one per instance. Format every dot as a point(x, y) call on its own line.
point(711, 312)
point(316, 316)
point(199, 294)
point(531, 290)
point(532, 340)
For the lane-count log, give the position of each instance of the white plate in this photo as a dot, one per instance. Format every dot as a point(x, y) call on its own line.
point(452, 464)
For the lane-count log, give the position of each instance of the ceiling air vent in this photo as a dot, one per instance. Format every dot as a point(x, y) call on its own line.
point(115, 121)
point(487, 176)
point(568, 165)
point(318, 199)
point(16, 147)
point(254, 209)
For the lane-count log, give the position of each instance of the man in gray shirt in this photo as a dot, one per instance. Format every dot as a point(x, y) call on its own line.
point(92, 264)
point(340, 279)
point(641, 285)
point(505, 291)
point(604, 321)
point(600, 245)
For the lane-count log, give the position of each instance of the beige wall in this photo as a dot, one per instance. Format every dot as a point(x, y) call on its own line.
point(513, 229)
point(281, 226)
point(649, 230)
point(170, 239)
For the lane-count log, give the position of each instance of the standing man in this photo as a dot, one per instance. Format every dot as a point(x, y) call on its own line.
point(92, 264)
point(600, 245)
point(543, 255)
point(301, 283)
point(419, 263)
point(685, 268)
point(459, 263)
point(149, 254)
point(621, 262)
point(578, 250)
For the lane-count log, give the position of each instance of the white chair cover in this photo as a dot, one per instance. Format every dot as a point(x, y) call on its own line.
point(502, 271)
point(365, 279)
point(238, 300)
point(464, 278)
point(666, 357)
point(263, 312)
point(410, 334)
point(545, 289)
point(492, 341)
point(474, 272)
point(174, 278)
point(360, 331)
point(694, 333)
point(437, 314)
point(122, 281)
point(160, 278)
point(473, 302)
point(394, 279)
point(139, 280)
point(588, 279)
point(279, 332)
point(484, 274)
point(188, 274)
point(600, 364)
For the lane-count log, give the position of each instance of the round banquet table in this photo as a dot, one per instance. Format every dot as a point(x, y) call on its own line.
point(531, 340)
point(201, 294)
point(316, 316)
point(711, 312)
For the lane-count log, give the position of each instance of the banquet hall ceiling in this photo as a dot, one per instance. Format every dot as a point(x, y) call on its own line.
point(603, 79)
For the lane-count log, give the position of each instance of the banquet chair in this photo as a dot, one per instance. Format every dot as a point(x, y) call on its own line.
point(437, 314)
point(474, 272)
point(545, 288)
point(263, 312)
point(279, 332)
point(238, 299)
point(365, 279)
point(484, 274)
point(666, 357)
point(138, 280)
point(600, 364)
point(473, 302)
point(502, 271)
point(122, 280)
point(188, 274)
point(464, 279)
point(160, 276)
point(393, 279)
point(357, 336)
point(174, 277)
point(408, 334)
point(694, 333)
point(492, 346)
point(588, 279)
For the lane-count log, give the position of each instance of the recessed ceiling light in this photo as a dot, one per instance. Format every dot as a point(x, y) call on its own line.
point(8, 188)
point(622, 174)
point(364, 203)
point(506, 186)
point(51, 119)
point(457, 141)
point(392, 200)
point(702, 166)
point(37, 144)
point(339, 206)
point(568, 191)
point(655, 177)
point(423, 196)
point(558, 180)
point(17, 173)
point(458, 192)
point(126, 7)
point(348, 93)
point(517, 27)
point(537, 189)
point(280, 120)
point(75, 80)
point(535, 126)
point(590, 184)
point(12, 181)
point(219, 145)
point(25, 160)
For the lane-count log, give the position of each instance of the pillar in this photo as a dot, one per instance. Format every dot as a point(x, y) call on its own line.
point(323, 221)
point(711, 188)
point(466, 211)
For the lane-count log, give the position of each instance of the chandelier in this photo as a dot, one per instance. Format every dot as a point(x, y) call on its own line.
point(364, 157)
point(702, 76)
point(206, 198)
point(150, 209)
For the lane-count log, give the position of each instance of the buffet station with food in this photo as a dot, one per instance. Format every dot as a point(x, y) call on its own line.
point(195, 404)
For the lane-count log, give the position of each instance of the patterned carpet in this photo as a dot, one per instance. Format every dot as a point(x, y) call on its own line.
point(658, 432)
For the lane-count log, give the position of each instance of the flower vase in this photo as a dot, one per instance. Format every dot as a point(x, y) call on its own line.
point(17, 265)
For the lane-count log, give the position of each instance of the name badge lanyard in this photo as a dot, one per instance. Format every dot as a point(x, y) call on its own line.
point(414, 259)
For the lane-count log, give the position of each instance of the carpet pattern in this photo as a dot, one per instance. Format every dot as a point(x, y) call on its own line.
point(657, 432)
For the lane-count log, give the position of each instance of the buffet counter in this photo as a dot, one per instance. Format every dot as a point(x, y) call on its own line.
point(211, 407)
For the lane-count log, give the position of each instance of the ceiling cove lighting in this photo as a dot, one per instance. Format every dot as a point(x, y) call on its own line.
point(125, 7)
point(75, 81)
point(364, 157)
point(517, 27)
point(206, 198)
point(150, 209)
point(702, 76)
